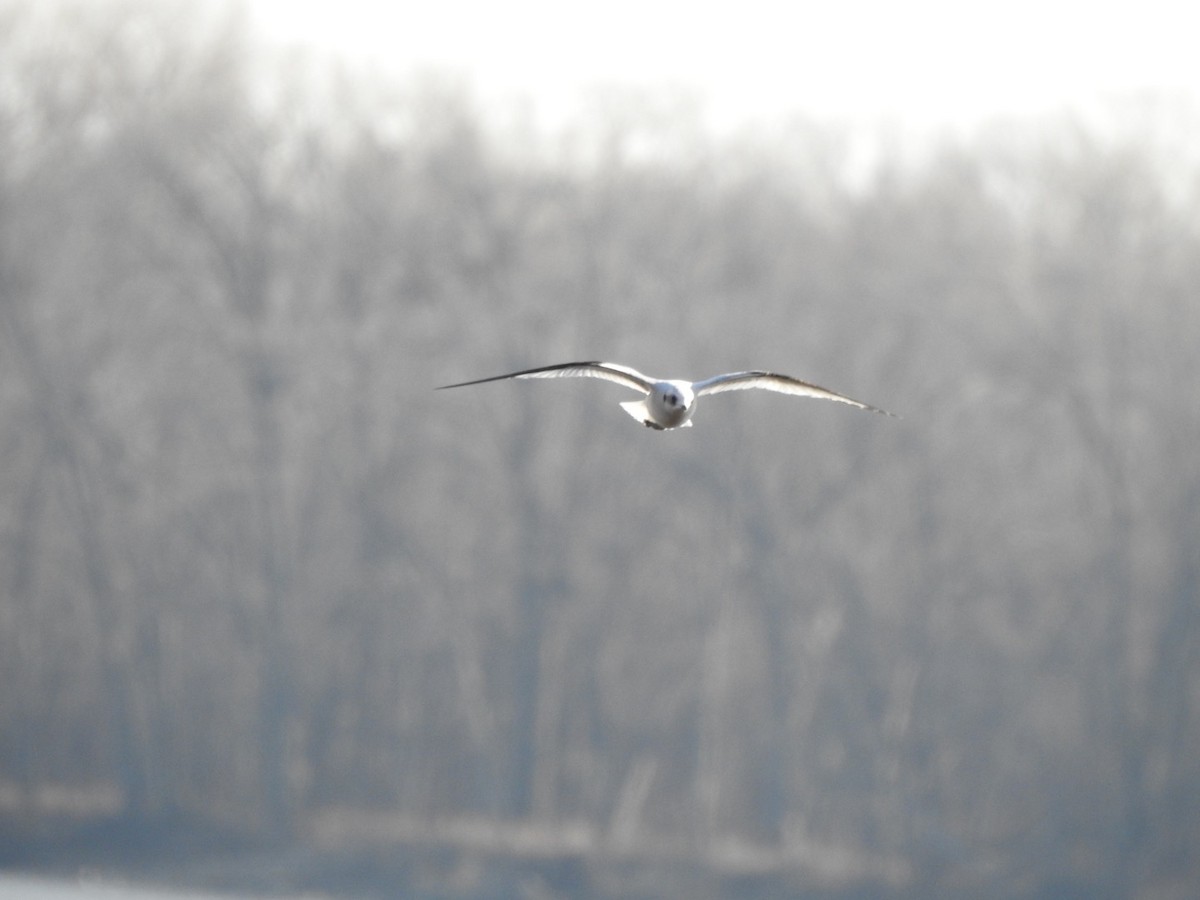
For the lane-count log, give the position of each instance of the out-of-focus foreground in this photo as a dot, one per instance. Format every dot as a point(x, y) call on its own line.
point(255, 575)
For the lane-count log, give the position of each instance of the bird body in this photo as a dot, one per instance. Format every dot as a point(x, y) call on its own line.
point(670, 403)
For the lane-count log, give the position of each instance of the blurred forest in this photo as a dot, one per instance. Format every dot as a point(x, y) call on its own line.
point(255, 573)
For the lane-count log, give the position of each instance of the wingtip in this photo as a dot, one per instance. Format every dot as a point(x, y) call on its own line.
point(881, 411)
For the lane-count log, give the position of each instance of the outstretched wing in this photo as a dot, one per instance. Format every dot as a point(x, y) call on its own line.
point(770, 381)
point(608, 371)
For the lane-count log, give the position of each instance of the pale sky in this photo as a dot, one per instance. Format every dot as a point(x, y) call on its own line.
point(924, 62)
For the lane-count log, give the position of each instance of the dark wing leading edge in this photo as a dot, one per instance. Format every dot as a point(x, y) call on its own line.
point(770, 381)
point(608, 371)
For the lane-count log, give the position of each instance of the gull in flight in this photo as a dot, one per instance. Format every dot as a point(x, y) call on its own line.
point(669, 403)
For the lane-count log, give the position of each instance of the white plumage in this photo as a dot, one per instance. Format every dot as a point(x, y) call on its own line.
point(669, 403)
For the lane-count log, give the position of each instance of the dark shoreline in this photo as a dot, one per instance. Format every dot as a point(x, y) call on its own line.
point(184, 855)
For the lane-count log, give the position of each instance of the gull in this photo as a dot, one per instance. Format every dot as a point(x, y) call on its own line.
point(669, 402)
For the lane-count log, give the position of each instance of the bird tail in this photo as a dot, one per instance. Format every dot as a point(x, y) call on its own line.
point(637, 409)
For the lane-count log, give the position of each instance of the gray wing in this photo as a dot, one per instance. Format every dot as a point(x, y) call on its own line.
point(608, 371)
point(770, 381)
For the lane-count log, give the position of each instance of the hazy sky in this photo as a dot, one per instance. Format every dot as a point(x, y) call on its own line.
point(921, 61)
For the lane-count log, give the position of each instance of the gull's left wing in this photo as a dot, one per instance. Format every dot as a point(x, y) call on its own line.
point(782, 384)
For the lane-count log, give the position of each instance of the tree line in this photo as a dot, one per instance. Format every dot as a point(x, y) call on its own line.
point(252, 569)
